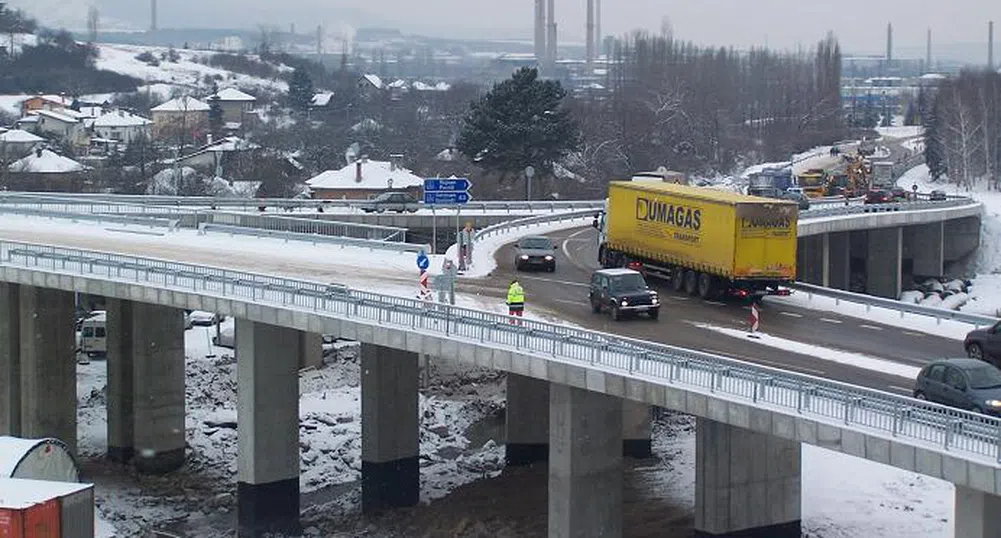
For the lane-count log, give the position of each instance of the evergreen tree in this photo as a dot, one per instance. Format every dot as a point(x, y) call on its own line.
point(911, 116)
point(216, 122)
point(300, 90)
point(934, 149)
point(520, 122)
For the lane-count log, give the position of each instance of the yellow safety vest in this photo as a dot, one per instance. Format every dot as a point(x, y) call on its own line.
point(515, 294)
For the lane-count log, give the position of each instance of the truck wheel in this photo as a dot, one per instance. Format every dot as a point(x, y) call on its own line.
point(707, 286)
point(595, 307)
point(677, 279)
point(691, 282)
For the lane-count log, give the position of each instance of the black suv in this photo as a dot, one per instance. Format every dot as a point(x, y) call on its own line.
point(985, 344)
point(621, 292)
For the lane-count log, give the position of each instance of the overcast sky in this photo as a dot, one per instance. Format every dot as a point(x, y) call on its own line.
point(859, 24)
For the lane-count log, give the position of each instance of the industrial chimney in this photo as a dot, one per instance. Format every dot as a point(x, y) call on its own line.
point(551, 35)
point(990, 45)
point(152, 15)
point(597, 28)
point(590, 33)
point(928, 53)
point(540, 31)
point(889, 42)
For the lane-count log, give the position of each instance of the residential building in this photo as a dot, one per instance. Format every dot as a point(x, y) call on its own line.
point(122, 126)
point(46, 171)
point(234, 103)
point(45, 102)
point(64, 124)
point(364, 179)
point(16, 143)
point(370, 86)
point(185, 118)
point(220, 157)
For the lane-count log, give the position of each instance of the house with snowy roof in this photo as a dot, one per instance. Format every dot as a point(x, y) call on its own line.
point(364, 179)
point(122, 126)
point(184, 117)
point(64, 124)
point(321, 100)
point(370, 86)
point(234, 103)
point(45, 102)
point(46, 171)
point(17, 143)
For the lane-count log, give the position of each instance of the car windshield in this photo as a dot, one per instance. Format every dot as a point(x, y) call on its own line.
point(537, 243)
point(627, 283)
point(984, 377)
point(384, 197)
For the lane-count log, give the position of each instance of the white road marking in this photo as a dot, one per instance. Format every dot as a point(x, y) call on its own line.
point(555, 281)
point(575, 303)
point(905, 390)
point(829, 320)
point(566, 251)
point(676, 298)
point(791, 314)
point(716, 303)
point(776, 364)
point(912, 333)
point(871, 327)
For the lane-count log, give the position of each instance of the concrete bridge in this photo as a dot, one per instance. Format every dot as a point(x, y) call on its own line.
point(596, 386)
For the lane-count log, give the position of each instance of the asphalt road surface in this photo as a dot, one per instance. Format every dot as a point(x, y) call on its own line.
point(563, 293)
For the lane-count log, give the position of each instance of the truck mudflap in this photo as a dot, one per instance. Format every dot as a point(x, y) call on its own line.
point(743, 293)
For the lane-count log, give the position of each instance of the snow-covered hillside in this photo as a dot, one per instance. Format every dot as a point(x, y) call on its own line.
point(186, 73)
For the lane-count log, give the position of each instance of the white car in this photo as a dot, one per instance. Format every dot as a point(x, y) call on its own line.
point(202, 318)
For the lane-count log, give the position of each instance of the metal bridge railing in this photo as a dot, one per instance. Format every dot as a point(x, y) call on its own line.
point(870, 301)
point(959, 433)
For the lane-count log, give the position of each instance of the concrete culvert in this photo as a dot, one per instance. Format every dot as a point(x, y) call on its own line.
point(37, 459)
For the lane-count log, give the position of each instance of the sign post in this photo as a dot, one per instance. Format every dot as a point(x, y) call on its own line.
point(529, 172)
point(450, 191)
point(755, 319)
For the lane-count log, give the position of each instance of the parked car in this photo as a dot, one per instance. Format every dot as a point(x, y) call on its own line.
point(938, 195)
point(878, 196)
point(202, 318)
point(798, 197)
point(536, 251)
point(899, 194)
point(621, 292)
point(94, 334)
point(964, 383)
point(391, 201)
point(984, 344)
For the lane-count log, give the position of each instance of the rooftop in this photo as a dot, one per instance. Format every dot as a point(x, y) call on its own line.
point(182, 104)
point(18, 136)
point(18, 494)
point(60, 116)
point(233, 94)
point(46, 162)
point(121, 118)
point(374, 175)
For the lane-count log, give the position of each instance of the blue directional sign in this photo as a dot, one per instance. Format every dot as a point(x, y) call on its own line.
point(422, 261)
point(447, 198)
point(451, 191)
point(446, 185)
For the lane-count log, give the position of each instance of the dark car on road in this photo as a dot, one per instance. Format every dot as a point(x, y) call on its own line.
point(984, 344)
point(963, 383)
point(801, 199)
point(622, 292)
point(391, 201)
point(878, 196)
point(535, 252)
point(938, 195)
point(899, 194)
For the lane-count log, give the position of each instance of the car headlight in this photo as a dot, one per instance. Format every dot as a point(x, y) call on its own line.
point(993, 403)
point(655, 299)
point(625, 302)
point(549, 258)
point(524, 256)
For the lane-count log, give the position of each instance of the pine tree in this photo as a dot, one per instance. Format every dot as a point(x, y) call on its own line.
point(216, 121)
point(300, 90)
point(520, 122)
point(934, 149)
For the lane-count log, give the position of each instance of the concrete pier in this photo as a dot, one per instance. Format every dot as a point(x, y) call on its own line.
point(10, 359)
point(747, 484)
point(925, 245)
point(883, 262)
point(636, 430)
point(268, 429)
point(527, 420)
point(48, 365)
point(310, 350)
point(585, 463)
point(978, 514)
point(390, 453)
point(839, 259)
point(121, 391)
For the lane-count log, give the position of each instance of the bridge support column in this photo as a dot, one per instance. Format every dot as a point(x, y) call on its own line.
point(810, 259)
point(747, 484)
point(10, 360)
point(838, 260)
point(121, 391)
point(636, 433)
point(884, 261)
point(926, 243)
point(527, 420)
point(963, 237)
point(47, 365)
point(390, 448)
point(267, 486)
point(585, 463)
point(310, 350)
point(978, 514)
point(158, 384)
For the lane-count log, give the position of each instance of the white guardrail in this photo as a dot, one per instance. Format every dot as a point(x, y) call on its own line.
point(960, 433)
point(871, 301)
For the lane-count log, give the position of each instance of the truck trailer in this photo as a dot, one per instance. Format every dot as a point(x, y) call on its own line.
point(704, 241)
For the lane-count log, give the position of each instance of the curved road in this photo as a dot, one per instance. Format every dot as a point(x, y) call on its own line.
point(564, 294)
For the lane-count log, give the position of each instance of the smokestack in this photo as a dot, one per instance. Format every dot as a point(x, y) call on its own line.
point(889, 42)
point(928, 53)
point(358, 176)
point(551, 35)
point(540, 31)
point(990, 45)
point(590, 33)
point(152, 15)
point(597, 28)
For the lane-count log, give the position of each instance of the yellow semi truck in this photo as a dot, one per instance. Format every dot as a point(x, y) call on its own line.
point(704, 241)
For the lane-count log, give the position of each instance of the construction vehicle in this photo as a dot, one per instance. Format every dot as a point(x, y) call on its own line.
point(855, 181)
point(882, 174)
point(770, 182)
point(706, 242)
point(813, 182)
point(866, 147)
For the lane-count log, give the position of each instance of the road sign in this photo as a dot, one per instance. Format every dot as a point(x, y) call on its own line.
point(447, 198)
point(755, 320)
point(447, 185)
point(422, 261)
